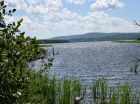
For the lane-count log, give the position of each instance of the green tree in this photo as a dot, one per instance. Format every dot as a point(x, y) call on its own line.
point(15, 51)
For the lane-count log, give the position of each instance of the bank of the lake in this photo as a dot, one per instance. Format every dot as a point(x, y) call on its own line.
point(128, 41)
point(45, 45)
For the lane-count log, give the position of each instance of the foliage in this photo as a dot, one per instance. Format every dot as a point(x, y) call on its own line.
point(15, 51)
point(69, 90)
point(123, 94)
point(19, 84)
point(41, 90)
point(47, 90)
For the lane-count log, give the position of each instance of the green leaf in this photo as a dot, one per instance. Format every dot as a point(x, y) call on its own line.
point(3, 11)
point(2, 3)
point(14, 24)
point(10, 11)
point(4, 6)
point(13, 10)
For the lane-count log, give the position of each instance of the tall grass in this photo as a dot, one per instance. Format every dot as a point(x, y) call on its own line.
point(99, 91)
point(70, 89)
point(103, 94)
point(66, 94)
point(45, 89)
point(42, 90)
point(135, 68)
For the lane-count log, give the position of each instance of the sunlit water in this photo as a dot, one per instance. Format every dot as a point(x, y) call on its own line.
point(90, 61)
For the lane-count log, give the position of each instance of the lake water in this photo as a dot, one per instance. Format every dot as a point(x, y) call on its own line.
point(90, 61)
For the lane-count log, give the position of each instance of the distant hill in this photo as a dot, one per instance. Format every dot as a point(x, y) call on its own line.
point(95, 36)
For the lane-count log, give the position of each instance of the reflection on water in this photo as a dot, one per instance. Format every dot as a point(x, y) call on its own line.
point(90, 61)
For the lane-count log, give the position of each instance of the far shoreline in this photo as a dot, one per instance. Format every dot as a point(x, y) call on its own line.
point(127, 41)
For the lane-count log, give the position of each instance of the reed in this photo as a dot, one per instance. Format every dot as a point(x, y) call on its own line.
point(76, 88)
point(95, 89)
point(45, 89)
point(66, 92)
point(100, 90)
point(125, 95)
point(113, 98)
point(103, 94)
point(70, 89)
point(134, 68)
point(42, 90)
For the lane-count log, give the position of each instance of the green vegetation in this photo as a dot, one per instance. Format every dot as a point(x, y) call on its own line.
point(41, 90)
point(100, 90)
point(123, 94)
point(45, 45)
point(15, 52)
point(21, 85)
point(128, 41)
point(47, 90)
point(47, 41)
point(135, 68)
point(95, 36)
point(70, 90)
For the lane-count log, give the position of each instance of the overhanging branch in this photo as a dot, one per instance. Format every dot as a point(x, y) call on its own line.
point(136, 23)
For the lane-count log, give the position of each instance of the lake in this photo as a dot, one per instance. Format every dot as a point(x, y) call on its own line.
point(89, 61)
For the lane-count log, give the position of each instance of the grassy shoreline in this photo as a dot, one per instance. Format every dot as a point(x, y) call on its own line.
point(127, 41)
point(45, 45)
point(49, 90)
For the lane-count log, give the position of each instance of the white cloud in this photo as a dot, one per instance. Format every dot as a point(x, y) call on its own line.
point(52, 19)
point(35, 6)
point(21, 4)
point(11, 3)
point(53, 5)
point(37, 10)
point(32, 2)
point(106, 4)
point(102, 22)
point(9, 19)
point(66, 22)
point(63, 15)
point(27, 21)
point(79, 2)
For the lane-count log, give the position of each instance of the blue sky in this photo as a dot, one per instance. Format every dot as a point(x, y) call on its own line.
point(51, 18)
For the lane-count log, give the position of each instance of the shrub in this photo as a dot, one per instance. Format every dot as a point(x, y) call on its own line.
point(15, 51)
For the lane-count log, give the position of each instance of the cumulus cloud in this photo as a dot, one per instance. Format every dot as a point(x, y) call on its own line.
point(103, 22)
point(79, 2)
point(32, 2)
point(9, 19)
point(64, 14)
point(16, 4)
point(37, 10)
point(66, 22)
point(107, 4)
point(27, 21)
point(54, 5)
point(11, 3)
point(35, 6)
point(49, 18)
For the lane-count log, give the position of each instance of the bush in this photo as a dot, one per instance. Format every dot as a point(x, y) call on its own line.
point(15, 51)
